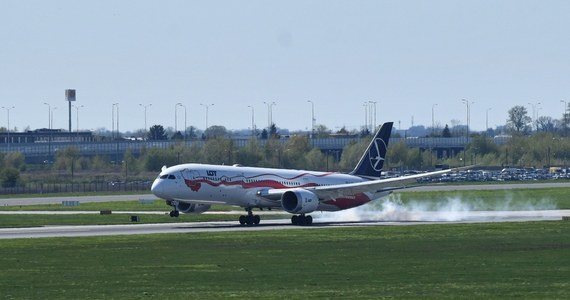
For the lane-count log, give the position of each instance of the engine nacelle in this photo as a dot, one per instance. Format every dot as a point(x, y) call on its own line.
point(299, 201)
point(188, 208)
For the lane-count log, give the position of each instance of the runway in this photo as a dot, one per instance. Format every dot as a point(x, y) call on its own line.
point(229, 226)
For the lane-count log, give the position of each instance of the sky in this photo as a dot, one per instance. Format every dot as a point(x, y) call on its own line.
point(410, 57)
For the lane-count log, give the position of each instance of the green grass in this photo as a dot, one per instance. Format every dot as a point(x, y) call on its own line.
point(471, 261)
point(512, 199)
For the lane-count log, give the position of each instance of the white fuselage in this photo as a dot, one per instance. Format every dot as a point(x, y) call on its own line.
point(242, 186)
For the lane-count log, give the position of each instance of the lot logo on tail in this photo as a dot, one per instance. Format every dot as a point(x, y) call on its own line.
point(372, 160)
point(376, 154)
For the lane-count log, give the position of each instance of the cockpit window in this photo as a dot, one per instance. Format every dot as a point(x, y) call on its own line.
point(171, 177)
point(163, 176)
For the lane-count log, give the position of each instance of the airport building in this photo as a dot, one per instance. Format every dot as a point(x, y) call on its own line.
point(45, 135)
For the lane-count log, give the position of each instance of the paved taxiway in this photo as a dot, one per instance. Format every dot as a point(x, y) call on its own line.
point(224, 226)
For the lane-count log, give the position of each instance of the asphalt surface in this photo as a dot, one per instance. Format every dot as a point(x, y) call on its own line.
point(229, 226)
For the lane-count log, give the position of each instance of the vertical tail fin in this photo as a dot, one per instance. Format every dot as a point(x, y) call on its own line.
point(372, 161)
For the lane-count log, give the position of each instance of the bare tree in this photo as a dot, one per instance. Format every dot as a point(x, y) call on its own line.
point(546, 123)
point(518, 120)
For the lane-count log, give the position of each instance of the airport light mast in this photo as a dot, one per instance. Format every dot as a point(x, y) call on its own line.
point(8, 126)
point(184, 106)
point(69, 97)
point(207, 106)
point(145, 107)
point(312, 118)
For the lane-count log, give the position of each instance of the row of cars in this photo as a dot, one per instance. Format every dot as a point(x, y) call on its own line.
point(506, 174)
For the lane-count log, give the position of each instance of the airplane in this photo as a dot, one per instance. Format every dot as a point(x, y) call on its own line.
point(193, 188)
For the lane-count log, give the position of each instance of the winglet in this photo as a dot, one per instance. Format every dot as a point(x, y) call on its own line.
point(372, 161)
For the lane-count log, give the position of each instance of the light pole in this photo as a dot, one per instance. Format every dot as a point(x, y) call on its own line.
point(365, 104)
point(8, 127)
point(49, 114)
point(533, 105)
point(207, 106)
point(269, 113)
point(145, 107)
point(77, 117)
point(113, 120)
point(468, 104)
point(372, 108)
point(565, 111)
point(312, 118)
point(252, 121)
point(184, 106)
point(537, 116)
point(433, 119)
point(487, 118)
point(175, 118)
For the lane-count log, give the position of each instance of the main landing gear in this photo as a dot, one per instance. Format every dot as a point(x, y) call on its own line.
point(250, 219)
point(302, 220)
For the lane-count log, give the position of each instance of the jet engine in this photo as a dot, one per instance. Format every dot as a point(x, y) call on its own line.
point(188, 208)
point(299, 201)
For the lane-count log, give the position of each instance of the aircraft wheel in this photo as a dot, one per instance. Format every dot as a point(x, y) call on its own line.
point(308, 220)
point(174, 214)
point(249, 220)
point(256, 220)
point(295, 220)
point(242, 219)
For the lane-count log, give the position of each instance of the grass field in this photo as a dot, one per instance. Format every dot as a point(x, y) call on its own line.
point(511, 199)
point(470, 261)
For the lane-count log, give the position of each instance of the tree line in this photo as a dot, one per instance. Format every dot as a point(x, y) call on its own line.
point(539, 150)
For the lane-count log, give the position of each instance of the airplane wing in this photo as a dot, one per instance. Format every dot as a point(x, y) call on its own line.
point(373, 186)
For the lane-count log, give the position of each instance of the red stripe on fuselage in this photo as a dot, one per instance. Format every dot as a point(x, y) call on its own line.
point(349, 201)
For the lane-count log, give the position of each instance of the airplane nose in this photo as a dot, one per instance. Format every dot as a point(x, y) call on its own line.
point(156, 188)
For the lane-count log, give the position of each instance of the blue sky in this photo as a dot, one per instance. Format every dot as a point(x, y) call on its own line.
point(405, 55)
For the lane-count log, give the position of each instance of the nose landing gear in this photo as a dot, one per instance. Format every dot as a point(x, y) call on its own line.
point(174, 213)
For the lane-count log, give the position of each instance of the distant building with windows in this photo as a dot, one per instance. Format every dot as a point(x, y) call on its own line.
point(45, 135)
